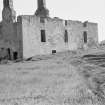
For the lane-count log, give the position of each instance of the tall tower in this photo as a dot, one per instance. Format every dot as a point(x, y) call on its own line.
point(8, 13)
point(42, 11)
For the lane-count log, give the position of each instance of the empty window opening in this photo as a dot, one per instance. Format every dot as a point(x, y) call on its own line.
point(9, 53)
point(42, 20)
point(85, 36)
point(0, 29)
point(15, 55)
point(65, 22)
point(85, 24)
point(53, 51)
point(66, 36)
point(43, 36)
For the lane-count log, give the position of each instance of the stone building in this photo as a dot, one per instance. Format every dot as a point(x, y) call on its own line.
point(38, 34)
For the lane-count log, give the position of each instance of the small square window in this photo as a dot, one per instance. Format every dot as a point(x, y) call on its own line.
point(53, 51)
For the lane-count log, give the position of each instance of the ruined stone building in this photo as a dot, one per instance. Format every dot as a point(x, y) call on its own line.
point(38, 34)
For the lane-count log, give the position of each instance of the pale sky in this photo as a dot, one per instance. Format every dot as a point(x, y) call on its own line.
point(91, 10)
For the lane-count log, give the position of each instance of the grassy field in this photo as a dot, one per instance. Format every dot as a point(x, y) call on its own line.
point(66, 78)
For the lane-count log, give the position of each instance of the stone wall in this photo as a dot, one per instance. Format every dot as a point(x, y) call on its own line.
point(54, 32)
point(92, 30)
point(75, 29)
point(8, 38)
point(32, 44)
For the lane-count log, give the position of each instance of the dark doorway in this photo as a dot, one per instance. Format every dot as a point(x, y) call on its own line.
point(15, 55)
point(9, 54)
point(53, 51)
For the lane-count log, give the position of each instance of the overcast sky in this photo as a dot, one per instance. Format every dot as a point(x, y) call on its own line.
point(91, 10)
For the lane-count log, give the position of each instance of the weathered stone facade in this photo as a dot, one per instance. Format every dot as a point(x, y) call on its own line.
point(39, 34)
point(8, 32)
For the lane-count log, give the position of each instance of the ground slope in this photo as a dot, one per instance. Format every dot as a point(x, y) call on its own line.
point(62, 79)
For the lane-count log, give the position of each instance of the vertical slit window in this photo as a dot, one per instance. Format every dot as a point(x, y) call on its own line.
point(0, 29)
point(43, 36)
point(85, 36)
point(66, 36)
point(65, 22)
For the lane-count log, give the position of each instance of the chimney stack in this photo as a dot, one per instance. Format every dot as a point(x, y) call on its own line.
point(41, 11)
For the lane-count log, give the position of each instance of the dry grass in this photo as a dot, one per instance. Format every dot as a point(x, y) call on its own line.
point(61, 79)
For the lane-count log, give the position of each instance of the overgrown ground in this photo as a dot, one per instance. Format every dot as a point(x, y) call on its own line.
point(68, 78)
